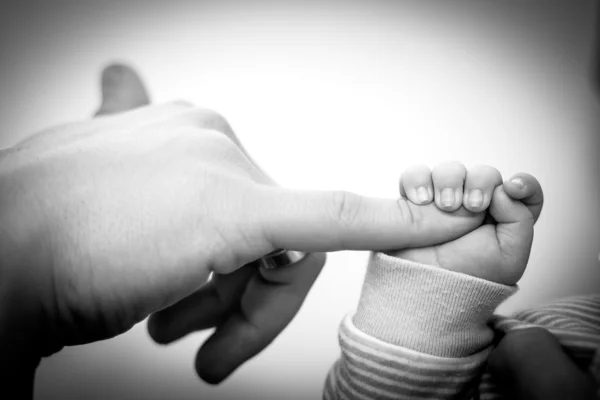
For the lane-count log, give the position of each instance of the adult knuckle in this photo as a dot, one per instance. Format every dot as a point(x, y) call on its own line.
point(184, 104)
point(211, 119)
point(406, 214)
point(346, 207)
point(195, 142)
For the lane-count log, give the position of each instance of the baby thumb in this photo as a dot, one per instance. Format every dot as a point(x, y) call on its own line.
point(514, 228)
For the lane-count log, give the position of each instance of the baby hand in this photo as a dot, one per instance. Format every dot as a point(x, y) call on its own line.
point(499, 249)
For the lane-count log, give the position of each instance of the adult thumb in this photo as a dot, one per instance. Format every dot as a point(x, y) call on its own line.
point(338, 220)
point(122, 90)
point(530, 364)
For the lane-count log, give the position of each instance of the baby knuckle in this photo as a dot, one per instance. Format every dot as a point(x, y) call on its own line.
point(486, 171)
point(451, 166)
point(417, 170)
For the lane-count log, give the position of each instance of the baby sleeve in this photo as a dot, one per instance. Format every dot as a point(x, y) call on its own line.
point(419, 332)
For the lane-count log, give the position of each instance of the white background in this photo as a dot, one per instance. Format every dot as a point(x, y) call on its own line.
point(326, 95)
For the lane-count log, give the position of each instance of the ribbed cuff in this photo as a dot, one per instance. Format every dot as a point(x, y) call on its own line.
point(427, 309)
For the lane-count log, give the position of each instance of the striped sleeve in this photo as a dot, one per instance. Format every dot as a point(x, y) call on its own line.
point(419, 332)
point(575, 322)
point(372, 369)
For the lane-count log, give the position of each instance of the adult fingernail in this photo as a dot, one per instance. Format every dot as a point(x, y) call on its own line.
point(447, 199)
point(422, 194)
point(475, 198)
point(519, 182)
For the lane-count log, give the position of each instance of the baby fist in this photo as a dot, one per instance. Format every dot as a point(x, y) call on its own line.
point(499, 249)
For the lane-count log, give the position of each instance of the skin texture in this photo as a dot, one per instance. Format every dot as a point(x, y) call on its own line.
point(499, 249)
point(108, 221)
point(528, 363)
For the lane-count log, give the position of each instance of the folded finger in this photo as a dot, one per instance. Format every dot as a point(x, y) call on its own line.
point(122, 90)
point(479, 186)
point(530, 364)
point(448, 180)
point(416, 185)
point(208, 307)
point(266, 309)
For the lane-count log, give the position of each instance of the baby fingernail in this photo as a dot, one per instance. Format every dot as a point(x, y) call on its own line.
point(447, 199)
point(475, 198)
point(519, 182)
point(422, 194)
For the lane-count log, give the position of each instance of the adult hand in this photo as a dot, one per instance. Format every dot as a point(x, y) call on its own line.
point(530, 364)
point(107, 221)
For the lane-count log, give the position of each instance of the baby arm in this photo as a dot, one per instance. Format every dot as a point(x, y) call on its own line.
point(421, 330)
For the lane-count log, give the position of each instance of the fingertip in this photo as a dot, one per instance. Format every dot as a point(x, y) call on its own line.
point(224, 351)
point(232, 344)
point(516, 188)
point(209, 374)
point(480, 183)
point(209, 377)
point(448, 181)
point(422, 195)
point(155, 330)
point(475, 200)
point(449, 199)
point(416, 185)
point(122, 89)
point(523, 185)
point(207, 367)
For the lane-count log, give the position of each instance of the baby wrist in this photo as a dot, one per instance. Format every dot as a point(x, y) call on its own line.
point(426, 308)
